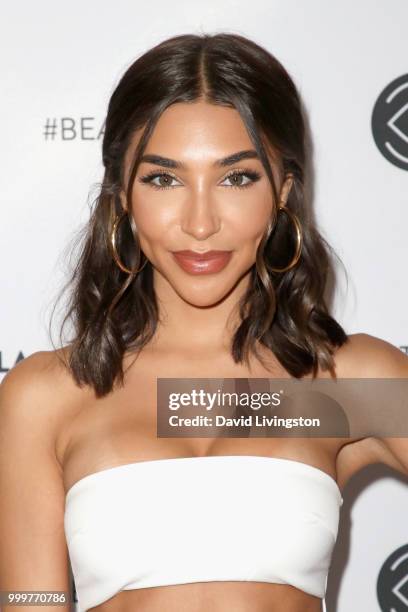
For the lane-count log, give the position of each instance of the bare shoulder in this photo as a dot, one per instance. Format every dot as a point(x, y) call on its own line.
point(37, 393)
point(39, 374)
point(33, 404)
point(40, 364)
point(367, 356)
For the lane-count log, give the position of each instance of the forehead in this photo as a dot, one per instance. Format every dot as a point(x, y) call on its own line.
point(197, 132)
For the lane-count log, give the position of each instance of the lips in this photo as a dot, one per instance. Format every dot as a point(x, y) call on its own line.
point(195, 255)
point(207, 262)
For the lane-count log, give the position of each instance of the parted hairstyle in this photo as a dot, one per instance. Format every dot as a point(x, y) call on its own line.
point(113, 313)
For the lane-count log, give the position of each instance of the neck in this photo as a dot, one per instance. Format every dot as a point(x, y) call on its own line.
point(183, 325)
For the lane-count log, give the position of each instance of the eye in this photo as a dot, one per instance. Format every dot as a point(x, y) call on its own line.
point(237, 178)
point(164, 179)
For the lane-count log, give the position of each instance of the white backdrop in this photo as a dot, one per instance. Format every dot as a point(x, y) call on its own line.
point(60, 64)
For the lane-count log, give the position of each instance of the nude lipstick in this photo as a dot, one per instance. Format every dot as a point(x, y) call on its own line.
point(202, 263)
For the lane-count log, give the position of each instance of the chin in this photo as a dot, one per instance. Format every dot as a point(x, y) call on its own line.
point(205, 292)
point(204, 301)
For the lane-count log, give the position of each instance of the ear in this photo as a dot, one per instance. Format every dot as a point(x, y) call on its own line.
point(122, 197)
point(285, 189)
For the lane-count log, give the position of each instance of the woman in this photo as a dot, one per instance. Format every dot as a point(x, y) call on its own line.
point(200, 260)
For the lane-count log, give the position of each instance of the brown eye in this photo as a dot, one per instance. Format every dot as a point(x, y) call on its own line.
point(165, 180)
point(242, 178)
point(237, 179)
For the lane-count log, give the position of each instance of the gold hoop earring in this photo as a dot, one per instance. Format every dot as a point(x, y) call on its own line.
point(298, 229)
point(112, 244)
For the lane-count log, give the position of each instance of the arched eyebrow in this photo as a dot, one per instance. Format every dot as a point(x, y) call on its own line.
point(159, 160)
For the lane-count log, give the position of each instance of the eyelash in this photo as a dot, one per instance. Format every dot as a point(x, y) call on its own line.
point(252, 174)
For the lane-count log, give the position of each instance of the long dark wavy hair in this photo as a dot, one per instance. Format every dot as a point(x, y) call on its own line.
point(113, 313)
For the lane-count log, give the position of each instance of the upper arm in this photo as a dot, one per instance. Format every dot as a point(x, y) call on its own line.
point(376, 358)
point(33, 551)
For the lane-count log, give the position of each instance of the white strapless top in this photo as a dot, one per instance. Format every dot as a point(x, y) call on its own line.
point(201, 519)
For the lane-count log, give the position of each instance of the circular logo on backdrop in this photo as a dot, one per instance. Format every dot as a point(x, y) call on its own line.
point(389, 122)
point(392, 583)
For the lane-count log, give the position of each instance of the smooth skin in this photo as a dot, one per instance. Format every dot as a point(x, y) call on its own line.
point(52, 433)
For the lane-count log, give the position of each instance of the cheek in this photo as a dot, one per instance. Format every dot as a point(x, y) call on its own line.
point(249, 222)
point(152, 218)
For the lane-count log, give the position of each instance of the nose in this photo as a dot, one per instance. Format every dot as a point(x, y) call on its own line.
point(200, 217)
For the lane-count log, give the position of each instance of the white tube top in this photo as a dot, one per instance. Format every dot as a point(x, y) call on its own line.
point(201, 519)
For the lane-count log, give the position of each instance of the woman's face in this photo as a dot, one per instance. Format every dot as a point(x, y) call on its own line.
point(192, 200)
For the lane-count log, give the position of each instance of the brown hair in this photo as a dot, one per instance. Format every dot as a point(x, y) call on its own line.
point(112, 313)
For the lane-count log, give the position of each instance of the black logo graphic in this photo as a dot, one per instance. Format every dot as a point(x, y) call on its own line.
point(392, 583)
point(389, 122)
